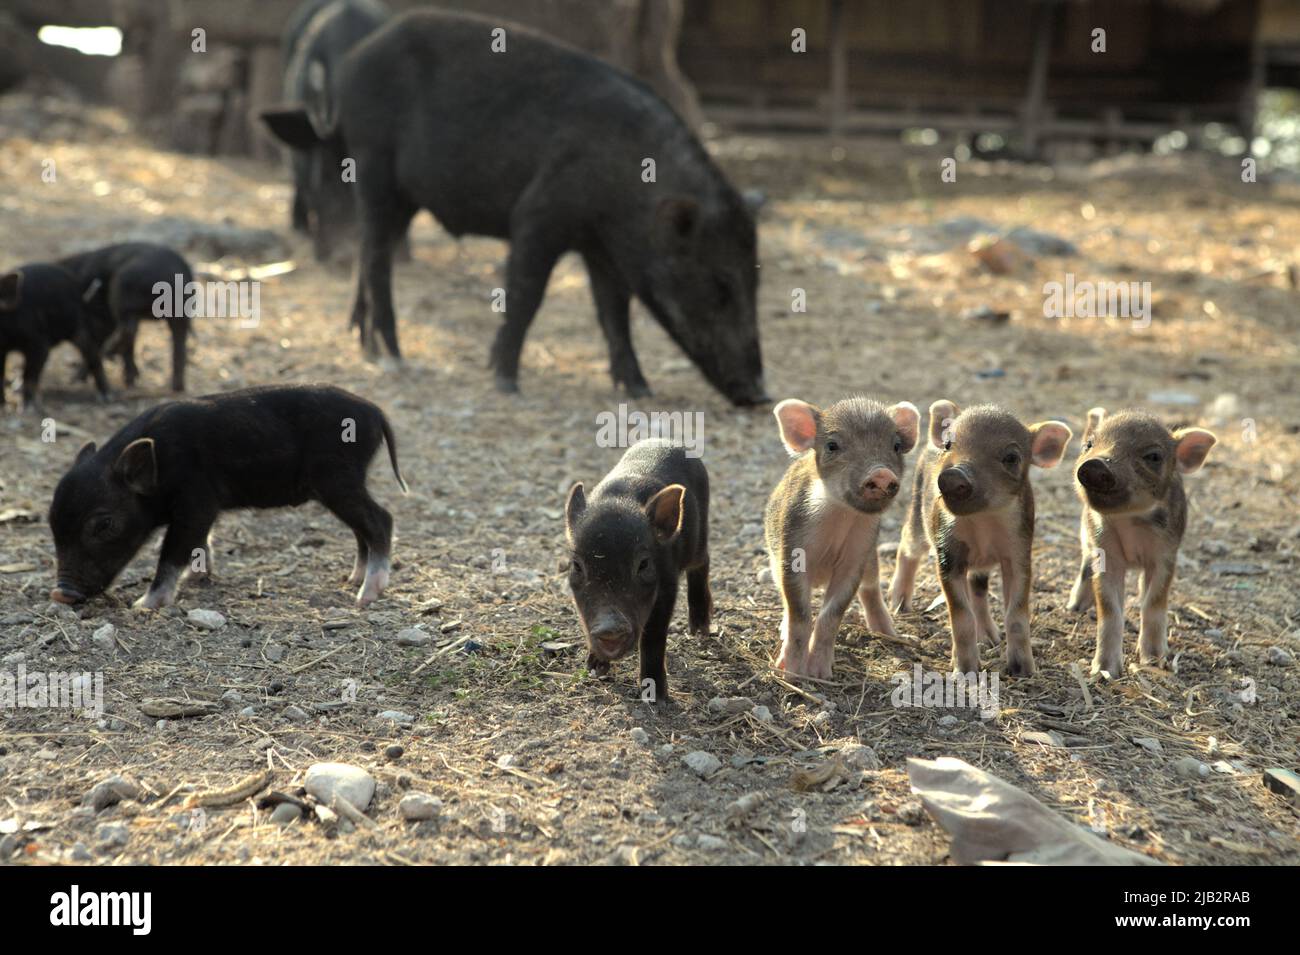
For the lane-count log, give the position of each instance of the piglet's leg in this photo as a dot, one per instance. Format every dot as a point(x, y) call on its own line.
point(186, 534)
point(839, 594)
point(796, 619)
point(1153, 644)
point(1081, 595)
point(654, 645)
point(346, 496)
point(699, 599)
point(363, 558)
point(961, 620)
point(1016, 574)
point(873, 604)
point(1108, 590)
point(979, 598)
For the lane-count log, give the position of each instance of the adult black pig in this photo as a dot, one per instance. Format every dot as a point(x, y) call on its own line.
point(323, 206)
point(548, 148)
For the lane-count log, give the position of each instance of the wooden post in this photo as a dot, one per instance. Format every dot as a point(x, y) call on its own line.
point(839, 55)
point(1032, 113)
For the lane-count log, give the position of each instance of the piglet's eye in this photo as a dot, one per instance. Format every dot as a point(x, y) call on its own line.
point(1087, 446)
point(1010, 459)
point(643, 566)
point(1153, 458)
point(832, 446)
point(103, 527)
point(898, 445)
point(947, 444)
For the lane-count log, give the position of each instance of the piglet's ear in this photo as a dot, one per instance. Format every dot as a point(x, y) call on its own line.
point(574, 508)
point(908, 421)
point(86, 451)
point(1095, 416)
point(798, 422)
point(1193, 445)
point(137, 466)
point(11, 286)
point(665, 511)
point(1048, 440)
point(942, 415)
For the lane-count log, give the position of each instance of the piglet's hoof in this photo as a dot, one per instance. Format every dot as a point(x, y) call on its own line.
point(506, 385)
point(152, 601)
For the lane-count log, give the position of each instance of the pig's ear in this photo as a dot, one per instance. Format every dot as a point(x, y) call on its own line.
point(11, 291)
point(86, 451)
point(942, 414)
point(1193, 445)
point(665, 510)
point(908, 421)
point(676, 219)
point(798, 421)
point(1095, 416)
point(291, 125)
point(137, 466)
point(574, 508)
point(1047, 443)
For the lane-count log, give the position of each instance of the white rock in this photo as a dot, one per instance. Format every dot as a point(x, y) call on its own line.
point(207, 619)
point(710, 843)
point(730, 704)
point(105, 638)
point(416, 806)
point(762, 714)
point(640, 736)
point(397, 716)
point(859, 756)
point(702, 763)
point(1281, 657)
point(413, 637)
point(351, 782)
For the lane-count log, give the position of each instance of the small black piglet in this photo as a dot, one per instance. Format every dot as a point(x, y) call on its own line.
point(630, 541)
point(41, 306)
point(182, 463)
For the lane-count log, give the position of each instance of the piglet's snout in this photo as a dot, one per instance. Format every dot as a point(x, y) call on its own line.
point(954, 485)
point(880, 485)
point(609, 634)
point(1095, 475)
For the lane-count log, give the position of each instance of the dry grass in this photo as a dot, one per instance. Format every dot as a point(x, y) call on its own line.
point(487, 475)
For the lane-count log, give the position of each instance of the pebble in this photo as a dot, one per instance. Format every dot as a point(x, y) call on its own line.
point(351, 782)
point(640, 736)
point(112, 836)
point(730, 704)
point(1236, 569)
point(110, 792)
point(764, 575)
point(397, 716)
point(1149, 743)
point(710, 843)
point(248, 711)
point(1281, 657)
point(1189, 767)
point(207, 619)
point(295, 714)
point(858, 756)
point(762, 714)
point(274, 652)
point(666, 749)
point(701, 763)
point(286, 814)
point(80, 853)
point(413, 637)
point(105, 638)
point(232, 697)
point(393, 752)
point(417, 806)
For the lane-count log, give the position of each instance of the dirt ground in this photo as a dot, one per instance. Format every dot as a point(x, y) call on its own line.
point(537, 763)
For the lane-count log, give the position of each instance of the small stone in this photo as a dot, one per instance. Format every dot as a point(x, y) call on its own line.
point(393, 752)
point(1189, 767)
point(110, 792)
point(858, 756)
point(947, 721)
point(666, 749)
point(274, 652)
point(762, 714)
point(1214, 547)
point(295, 714)
point(1236, 569)
point(105, 638)
point(353, 783)
point(1283, 782)
point(207, 619)
point(112, 836)
point(248, 711)
point(640, 736)
point(80, 853)
point(413, 637)
point(1281, 657)
point(701, 763)
point(1149, 743)
point(683, 840)
point(730, 704)
point(710, 843)
point(285, 814)
point(911, 813)
point(417, 806)
point(397, 716)
point(233, 697)
point(764, 575)
point(507, 761)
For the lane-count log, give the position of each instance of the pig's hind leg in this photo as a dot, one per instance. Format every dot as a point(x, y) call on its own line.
point(185, 535)
point(373, 528)
point(536, 244)
point(612, 303)
point(699, 599)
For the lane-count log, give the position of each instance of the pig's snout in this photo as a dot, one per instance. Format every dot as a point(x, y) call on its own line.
point(880, 485)
point(610, 637)
point(66, 594)
point(1095, 475)
point(955, 486)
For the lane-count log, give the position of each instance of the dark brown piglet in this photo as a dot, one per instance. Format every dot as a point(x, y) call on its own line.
point(1134, 514)
point(630, 540)
point(182, 463)
point(973, 503)
point(823, 519)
